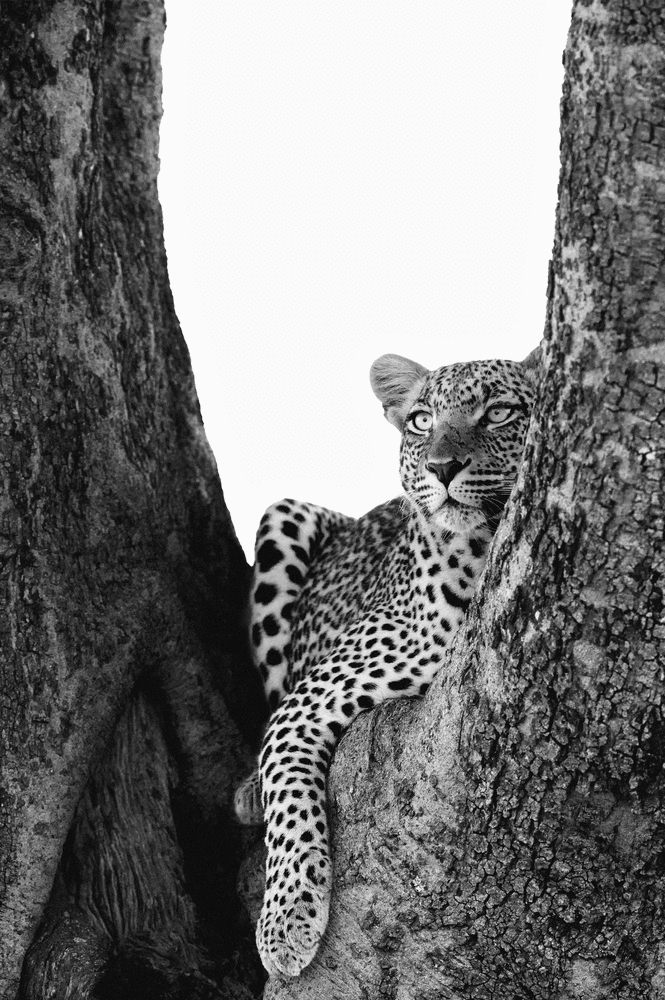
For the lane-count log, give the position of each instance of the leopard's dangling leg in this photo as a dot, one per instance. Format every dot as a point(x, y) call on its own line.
point(294, 762)
point(247, 800)
point(290, 535)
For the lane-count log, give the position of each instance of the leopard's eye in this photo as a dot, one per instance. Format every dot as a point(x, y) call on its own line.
point(420, 422)
point(498, 414)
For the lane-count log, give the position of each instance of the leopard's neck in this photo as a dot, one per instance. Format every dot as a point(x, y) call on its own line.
point(444, 570)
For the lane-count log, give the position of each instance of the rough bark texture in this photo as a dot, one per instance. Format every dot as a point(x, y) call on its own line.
point(123, 583)
point(502, 838)
point(506, 836)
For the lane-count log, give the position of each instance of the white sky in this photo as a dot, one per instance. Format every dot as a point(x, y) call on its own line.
point(340, 179)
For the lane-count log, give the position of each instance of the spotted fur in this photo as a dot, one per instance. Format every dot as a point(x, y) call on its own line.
point(348, 613)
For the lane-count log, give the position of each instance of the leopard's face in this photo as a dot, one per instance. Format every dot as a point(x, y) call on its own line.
point(462, 443)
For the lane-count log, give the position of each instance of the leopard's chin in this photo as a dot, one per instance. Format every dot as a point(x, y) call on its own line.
point(455, 518)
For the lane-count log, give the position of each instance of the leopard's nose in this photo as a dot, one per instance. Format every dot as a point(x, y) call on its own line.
point(445, 472)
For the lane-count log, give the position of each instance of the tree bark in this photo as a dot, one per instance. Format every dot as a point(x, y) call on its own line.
point(122, 650)
point(505, 836)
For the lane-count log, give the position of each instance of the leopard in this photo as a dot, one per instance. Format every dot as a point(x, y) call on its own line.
point(347, 613)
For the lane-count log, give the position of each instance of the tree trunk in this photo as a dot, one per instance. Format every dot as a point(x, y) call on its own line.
point(122, 643)
point(505, 836)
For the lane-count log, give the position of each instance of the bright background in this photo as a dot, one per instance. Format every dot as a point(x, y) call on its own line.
point(340, 179)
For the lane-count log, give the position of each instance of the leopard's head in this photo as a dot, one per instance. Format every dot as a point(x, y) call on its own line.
point(463, 431)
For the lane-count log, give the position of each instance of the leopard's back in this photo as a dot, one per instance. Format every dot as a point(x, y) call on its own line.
point(343, 580)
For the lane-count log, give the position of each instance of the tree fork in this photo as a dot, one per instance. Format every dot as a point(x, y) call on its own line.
point(124, 584)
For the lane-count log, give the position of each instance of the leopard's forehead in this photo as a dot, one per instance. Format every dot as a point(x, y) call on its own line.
point(468, 384)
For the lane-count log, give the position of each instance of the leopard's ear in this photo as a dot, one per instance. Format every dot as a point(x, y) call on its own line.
point(397, 382)
point(533, 364)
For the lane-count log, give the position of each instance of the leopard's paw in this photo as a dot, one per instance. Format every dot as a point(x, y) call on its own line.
point(247, 801)
point(295, 913)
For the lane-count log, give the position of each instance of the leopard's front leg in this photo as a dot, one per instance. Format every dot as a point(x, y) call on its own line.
point(293, 767)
